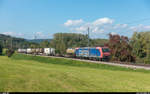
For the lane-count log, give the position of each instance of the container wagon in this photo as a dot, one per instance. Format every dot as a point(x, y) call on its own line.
point(22, 50)
point(29, 51)
point(49, 51)
point(39, 51)
point(70, 52)
point(94, 53)
point(19, 51)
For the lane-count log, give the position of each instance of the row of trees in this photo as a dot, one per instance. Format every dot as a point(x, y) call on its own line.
point(140, 43)
point(62, 41)
point(136, 49)
point(122, 48)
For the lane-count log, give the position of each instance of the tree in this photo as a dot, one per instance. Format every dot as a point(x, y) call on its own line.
point(9, 52)
point(140, 43)
point(120, 48)
point(62, 41)
point(45, 44)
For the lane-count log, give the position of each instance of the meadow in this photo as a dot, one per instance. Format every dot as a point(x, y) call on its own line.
point(22, 73)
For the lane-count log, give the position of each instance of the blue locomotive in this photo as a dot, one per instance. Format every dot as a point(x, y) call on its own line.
point(96, 53)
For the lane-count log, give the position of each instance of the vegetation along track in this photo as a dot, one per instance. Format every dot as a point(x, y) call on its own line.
point(108, 63)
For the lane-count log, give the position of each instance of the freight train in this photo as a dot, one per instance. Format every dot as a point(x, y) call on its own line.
point(38, 51)
point(92, 53)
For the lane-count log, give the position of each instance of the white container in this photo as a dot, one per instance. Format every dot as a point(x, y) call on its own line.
point(29, 50)
point(22, 50)
point(19, 51)
point(52, 51)
point(49, 51)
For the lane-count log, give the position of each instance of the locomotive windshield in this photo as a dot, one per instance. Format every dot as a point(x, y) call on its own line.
point(105, 50)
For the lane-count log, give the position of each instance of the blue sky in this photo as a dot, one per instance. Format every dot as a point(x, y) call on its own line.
point(25, 18)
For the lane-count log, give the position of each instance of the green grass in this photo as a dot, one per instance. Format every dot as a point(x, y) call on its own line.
point(22, 73)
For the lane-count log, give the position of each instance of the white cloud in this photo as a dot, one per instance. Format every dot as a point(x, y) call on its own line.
point(9, 33)
point(14, 34)
point(140, 27)
point(99, 25)
point(120, 26)
point(113, 33)
point(73, 22)
point(82, 28)
point(43, 35)
point(104, 26)
point(103, 21)
point(95, 29)
point(98, 30)
point(147, 27)
point(39, 33)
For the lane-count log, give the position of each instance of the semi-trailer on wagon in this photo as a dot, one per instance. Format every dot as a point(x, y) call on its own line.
point(49, 51)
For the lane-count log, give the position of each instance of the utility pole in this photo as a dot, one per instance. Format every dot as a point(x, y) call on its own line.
point(35, 45)
point(88, 37)
point(88, 42)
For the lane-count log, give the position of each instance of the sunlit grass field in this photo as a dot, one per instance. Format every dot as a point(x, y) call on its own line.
point(22, 73)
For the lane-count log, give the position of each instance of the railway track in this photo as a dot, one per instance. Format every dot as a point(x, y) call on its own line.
point(101, 62)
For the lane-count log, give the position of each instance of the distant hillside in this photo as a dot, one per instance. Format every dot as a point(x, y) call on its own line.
point(74, 40)
point(8, 41)
point(38, 40)
point(7, 37)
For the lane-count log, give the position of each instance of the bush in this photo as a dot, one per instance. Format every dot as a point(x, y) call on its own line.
point(10, 52)
point(4, 51)
point(146, 60)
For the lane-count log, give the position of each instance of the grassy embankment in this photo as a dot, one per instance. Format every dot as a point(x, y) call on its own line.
point(28, 73)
